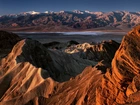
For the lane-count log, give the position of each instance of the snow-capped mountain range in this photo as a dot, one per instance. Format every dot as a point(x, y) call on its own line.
point(70, 20)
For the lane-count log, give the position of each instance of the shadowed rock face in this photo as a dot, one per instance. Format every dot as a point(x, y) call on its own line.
point(103, 51)
point(121, 83)
point(7, 41)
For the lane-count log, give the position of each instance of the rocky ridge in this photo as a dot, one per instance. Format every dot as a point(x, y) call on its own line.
point(28, 77)
point(38, 74)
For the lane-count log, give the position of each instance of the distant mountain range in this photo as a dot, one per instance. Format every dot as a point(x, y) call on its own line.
point(69, 20)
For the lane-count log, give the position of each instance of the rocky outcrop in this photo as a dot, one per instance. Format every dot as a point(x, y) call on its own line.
point(97, 52)
point(120, 85)
point(102, 53)
point(25, 86)
point(60, 66)
point(78, 91)
point(21, 81)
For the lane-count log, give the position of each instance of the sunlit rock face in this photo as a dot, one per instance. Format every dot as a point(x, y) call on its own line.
point(78, 91)
point(120, 85)
point(20, 82)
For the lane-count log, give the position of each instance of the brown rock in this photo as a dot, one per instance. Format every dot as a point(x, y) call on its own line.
point(23, 82)
point(120, 82)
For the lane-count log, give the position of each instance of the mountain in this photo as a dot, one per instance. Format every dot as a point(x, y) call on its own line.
point(69, 21)
point(33, 74)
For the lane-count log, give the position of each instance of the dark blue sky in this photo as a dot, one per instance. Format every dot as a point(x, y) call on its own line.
point(17, 6)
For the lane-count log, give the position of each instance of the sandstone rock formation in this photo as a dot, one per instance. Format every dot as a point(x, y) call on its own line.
point(29, 73)
point(78, 91)
point(34, 75)
point(120, 85)
point(23, 82)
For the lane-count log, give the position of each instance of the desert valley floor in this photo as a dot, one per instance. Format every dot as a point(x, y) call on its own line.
point(81, 37)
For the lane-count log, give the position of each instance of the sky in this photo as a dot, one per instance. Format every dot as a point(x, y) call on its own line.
point(18, 6)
